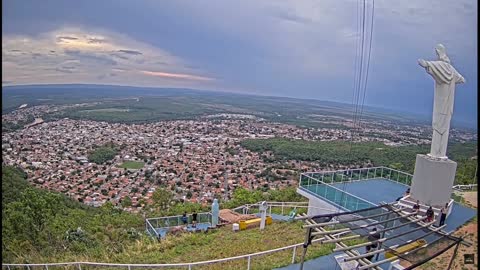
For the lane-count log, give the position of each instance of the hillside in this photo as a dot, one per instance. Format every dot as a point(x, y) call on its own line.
point(39, 224)
point(42, 226)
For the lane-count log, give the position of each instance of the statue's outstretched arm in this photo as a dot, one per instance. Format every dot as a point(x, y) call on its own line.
point(422, 63)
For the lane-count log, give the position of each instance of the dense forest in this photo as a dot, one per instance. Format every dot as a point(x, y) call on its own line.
point(376, 153)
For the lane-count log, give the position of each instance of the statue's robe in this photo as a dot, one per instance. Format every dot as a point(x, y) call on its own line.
point(445, 77)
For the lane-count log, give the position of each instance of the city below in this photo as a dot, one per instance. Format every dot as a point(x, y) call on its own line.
point(198, 160)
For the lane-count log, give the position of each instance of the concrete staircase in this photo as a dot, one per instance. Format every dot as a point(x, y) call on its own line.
point(407, 203)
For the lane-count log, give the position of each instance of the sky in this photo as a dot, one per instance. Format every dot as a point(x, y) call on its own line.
point(295, 48)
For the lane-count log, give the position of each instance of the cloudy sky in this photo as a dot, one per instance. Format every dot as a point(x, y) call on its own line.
point(296, 48)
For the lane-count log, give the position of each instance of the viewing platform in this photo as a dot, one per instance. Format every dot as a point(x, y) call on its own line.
point(356, 189)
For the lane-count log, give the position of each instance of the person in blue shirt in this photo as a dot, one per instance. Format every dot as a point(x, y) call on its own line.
point(185, 219)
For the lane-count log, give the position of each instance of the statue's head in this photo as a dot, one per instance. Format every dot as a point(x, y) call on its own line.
point(442, 53)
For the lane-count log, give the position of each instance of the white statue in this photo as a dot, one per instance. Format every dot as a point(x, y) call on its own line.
point(445, 77)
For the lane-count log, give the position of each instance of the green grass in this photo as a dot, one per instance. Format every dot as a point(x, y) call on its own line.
point(458, 198)
point(215, 244)
point(132, 165)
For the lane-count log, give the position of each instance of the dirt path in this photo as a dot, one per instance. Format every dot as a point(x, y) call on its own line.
point(471, 198)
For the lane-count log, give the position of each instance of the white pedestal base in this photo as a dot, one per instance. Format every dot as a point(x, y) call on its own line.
point(433, 180)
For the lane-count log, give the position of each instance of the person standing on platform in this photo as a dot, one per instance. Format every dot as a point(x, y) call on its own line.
point(416, 207)
point(185, 219)
point(429, 214)
point(407, 192)
point(374, 236)
point(367, 250)
point(194, 219)
point(443, 214)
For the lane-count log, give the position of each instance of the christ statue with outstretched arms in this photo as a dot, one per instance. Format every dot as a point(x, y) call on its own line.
point(446, 77)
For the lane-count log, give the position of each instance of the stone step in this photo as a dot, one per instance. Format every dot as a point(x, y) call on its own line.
point(422, 210)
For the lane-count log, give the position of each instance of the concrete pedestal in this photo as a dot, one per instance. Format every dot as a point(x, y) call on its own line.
point(433, 180)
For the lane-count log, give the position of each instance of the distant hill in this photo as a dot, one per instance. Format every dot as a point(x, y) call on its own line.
point(156, 103)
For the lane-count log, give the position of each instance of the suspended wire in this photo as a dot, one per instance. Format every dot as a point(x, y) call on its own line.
point(368, 58)
point(357, 67)
point(356, 81)
point(360, 83)
point(359, 78)
point(357, 53)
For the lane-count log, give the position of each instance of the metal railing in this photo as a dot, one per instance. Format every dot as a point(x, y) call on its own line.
point(250, 208)
point(151, 230)
point(332, 194)
point(173, 221)
point(282, 206)
point(464, 187)
point(352, 175)
point(188, 265)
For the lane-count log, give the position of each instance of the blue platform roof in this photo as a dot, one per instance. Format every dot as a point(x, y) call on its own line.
point(377, 191)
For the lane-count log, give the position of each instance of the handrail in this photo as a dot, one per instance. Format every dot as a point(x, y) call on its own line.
point(359, 169)
point(149, 224)
point(302, 205)
point(177, 216)
point(268, 203)
point(368, 169)
point(340, 190)
point(464, 186)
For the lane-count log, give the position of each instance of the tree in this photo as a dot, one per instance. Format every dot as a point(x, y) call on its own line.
point(286, 195)
point(13, 183)
point(244, 196)
point(162, 198)
point(141, 202)
point(29, 215)
point(126, 202)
